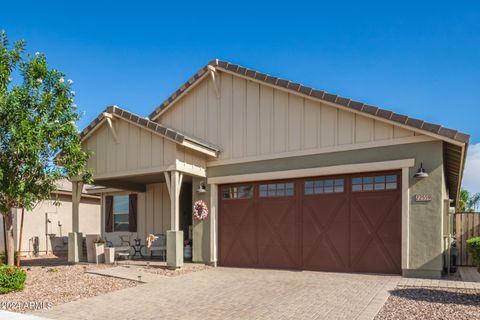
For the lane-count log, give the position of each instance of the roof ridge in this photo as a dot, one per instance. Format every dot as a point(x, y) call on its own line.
point(317, 94)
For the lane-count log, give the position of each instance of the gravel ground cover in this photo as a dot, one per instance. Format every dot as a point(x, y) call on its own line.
point(431, 303)
point(52, 281)
point(164, 271)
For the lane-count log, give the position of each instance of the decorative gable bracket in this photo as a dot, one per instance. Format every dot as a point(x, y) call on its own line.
point(213, 73)
point(110, 119)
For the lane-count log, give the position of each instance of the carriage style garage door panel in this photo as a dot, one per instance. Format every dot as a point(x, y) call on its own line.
point(349, 223)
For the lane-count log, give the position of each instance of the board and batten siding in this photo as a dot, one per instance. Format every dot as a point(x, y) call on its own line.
point(251, 120)
point(153, 214)
point(136, 149)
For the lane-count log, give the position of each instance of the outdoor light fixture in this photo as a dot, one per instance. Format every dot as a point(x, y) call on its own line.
point(202, 188)
point(421, 173)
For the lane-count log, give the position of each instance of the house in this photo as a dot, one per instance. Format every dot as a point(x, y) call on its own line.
point(46, 227)
point(293, 177)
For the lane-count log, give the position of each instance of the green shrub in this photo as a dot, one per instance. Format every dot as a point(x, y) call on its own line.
point(3, 257)
point(473, 247)
point(11, 278)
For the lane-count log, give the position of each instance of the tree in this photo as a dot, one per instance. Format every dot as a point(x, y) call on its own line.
point(464, 200)
point(468, 202)
point(474, 201)
point(39, 139)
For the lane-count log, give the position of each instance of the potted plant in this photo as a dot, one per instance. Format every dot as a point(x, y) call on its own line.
point(99, 245)
point(187, 250)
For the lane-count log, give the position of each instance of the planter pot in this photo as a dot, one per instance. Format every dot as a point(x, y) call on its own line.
point(99, 252)
point(89, 238)
point(109, 255)
point(187, 252)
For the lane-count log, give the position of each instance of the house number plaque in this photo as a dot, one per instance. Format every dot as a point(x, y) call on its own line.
point(423, 197)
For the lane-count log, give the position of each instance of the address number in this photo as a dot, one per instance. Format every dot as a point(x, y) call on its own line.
point(423, 197)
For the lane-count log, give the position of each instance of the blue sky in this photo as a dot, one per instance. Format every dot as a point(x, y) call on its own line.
point(416, 58)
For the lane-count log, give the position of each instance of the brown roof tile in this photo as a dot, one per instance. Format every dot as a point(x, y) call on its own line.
point(329, 97)
point(416, 123)
point(356, 105)
point(342, 101)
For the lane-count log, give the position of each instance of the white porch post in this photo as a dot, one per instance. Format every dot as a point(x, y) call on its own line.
point(77, 187)
point(173, 180)
point(405, 218)
point(75, 237)
point(213, 223)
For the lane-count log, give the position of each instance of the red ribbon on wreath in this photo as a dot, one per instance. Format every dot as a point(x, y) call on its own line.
point(200, 210)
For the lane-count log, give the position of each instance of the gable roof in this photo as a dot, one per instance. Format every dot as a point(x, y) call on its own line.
point(166, 132)
point(455, 142)
point(381, 114)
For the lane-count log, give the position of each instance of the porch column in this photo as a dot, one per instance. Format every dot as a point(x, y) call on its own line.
point(77, 187)
point(173, 180)
point(75, 237)
point(213, 223)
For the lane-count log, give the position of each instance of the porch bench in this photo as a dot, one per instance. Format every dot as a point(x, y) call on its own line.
point(159, 245)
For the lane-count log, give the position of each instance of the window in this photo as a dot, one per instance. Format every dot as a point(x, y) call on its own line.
point(120, 213)
point(374, 183)
point(324, 186)
point(238, 192)
point(276, 190)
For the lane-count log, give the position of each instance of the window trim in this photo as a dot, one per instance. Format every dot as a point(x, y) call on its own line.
point(323, 179)
point(276, 183)
point(251, 193)
point(373, 183)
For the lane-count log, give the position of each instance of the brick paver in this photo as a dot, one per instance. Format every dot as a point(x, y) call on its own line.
point(229, 293)
point(428, 283)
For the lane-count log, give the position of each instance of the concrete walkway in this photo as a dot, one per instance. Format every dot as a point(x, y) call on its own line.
point(128, 272)
point(470, 274)
point(438, 283)
point(229, 293)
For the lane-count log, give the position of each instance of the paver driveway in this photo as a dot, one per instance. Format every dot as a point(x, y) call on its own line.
point(229, 293)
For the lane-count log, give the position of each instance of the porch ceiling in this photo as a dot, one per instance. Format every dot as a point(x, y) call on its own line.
point(136, 183)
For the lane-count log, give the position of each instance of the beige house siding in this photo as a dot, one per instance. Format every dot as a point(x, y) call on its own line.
point(135, 150)
point(35, 224)
point(251, 120)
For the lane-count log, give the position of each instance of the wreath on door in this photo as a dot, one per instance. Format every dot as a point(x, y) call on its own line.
point(200, 210)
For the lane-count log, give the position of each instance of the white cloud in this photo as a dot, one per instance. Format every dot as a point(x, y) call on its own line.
point(471, 176)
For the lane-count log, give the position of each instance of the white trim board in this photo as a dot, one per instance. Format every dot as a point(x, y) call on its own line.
point(320, 171)
point(340, 148)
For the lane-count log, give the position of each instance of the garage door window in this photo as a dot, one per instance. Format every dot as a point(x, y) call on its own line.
point(324, 186)
point(276, 190)
point(374, 183)
point(238, 192)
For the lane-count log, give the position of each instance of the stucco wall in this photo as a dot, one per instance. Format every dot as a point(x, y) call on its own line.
point(426, 222)
point(201, 229)
point(35, 225)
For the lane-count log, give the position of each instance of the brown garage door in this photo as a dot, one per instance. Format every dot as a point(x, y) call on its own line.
point(349, 223)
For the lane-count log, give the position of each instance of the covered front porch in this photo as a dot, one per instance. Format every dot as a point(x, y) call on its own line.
point(148, 177)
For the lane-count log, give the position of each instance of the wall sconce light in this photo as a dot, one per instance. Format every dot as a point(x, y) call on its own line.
point(202, 188)
point(421, 173)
